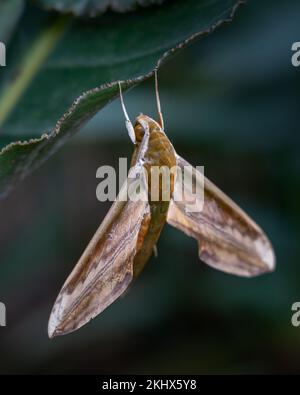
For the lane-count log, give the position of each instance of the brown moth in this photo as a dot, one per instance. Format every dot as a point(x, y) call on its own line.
point(228, 239)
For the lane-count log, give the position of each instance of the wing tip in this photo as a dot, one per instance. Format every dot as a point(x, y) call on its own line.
point(269, 260)
point(241, 268)
point(52, 332)
point(53, 327)
point(58, 324)
point(265, 266)
point(56, 328)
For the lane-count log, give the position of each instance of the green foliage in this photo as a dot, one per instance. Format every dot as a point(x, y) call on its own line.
point(55, 59)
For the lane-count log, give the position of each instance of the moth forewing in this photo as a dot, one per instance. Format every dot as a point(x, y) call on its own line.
point(105, 269)
point(228, 239)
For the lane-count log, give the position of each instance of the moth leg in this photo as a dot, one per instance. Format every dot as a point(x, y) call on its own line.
point(128, 123)
point(155, 251)
point(160, 116)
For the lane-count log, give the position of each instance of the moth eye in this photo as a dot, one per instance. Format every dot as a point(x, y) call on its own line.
point(139, 132)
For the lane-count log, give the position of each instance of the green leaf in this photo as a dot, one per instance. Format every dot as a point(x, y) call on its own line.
point(96, 7)
point(62, 57)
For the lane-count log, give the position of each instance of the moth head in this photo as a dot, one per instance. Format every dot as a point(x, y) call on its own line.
point(144, 124)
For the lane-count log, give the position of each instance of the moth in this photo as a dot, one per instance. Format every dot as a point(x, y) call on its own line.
point(228, 239)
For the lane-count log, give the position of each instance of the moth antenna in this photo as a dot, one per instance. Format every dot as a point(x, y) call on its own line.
point(129, 126)
point(160, 116)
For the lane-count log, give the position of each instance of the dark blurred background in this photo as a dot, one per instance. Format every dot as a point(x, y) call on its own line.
point(231, 103)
